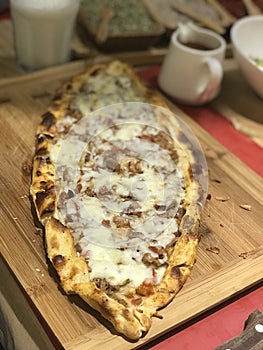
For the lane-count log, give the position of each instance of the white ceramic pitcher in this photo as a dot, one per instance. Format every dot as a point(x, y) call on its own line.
point(192, 69)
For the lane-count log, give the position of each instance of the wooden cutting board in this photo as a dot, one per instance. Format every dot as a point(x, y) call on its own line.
point(230, 256)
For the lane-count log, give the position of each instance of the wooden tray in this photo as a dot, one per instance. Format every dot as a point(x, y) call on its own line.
point(230, 256)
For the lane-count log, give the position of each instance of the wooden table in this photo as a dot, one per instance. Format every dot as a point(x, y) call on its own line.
point(219, 274)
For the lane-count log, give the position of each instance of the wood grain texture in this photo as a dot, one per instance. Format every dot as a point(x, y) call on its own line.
point(230, 256)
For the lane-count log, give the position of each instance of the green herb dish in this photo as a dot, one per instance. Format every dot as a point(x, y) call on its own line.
point(124, 25)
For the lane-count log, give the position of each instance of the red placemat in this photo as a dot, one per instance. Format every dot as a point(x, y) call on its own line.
point(216, 328)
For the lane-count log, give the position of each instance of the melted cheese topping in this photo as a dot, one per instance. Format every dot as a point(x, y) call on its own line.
point(99, 92)
point(119, 188)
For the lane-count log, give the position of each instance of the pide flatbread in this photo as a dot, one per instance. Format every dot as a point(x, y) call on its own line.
point(118, 186)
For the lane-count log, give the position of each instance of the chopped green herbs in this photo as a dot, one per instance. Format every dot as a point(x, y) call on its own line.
point(258, 61)
point(130, 16)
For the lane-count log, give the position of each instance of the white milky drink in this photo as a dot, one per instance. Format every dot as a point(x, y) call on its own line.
point(43, 30)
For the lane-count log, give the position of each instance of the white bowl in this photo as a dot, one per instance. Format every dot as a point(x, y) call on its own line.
point(247, 41)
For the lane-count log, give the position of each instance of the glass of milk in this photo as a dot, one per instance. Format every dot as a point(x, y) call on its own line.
point(43, 30)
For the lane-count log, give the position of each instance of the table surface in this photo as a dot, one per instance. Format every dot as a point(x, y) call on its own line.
point(236, 123)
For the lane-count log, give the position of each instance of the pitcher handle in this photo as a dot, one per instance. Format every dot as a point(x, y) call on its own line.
point(214, 79)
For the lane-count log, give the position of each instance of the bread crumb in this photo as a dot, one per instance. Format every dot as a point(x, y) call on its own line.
point(24, 196)
point(246, 207)
point(222, 199)
point(216, 180)
point(38, 231)
point(214, 250)
point(243, 255)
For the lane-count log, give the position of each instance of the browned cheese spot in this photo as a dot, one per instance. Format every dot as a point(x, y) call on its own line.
point(188, 221)
point(136, 301)
point(56, 101)
point(74, 272)
point(41, 197)
point(58, 260)
point(42, 151)
point(107, 310)
point(54, 242)
point(59, 226)
point(121, 222)
point(48, 210)
point(68, 86)
point(127, 314)
point(145, 289)
point(48, 120)
point(175, 273)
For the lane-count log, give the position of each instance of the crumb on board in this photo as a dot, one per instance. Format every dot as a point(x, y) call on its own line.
point(214, 250)
point(246, 207)
point(243, 255)
point(38, 231)
point(27, 168)
point(222, 199)
point(216, 180)
point(24, 196)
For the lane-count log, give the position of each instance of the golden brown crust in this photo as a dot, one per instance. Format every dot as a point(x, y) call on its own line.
point(129, 317)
